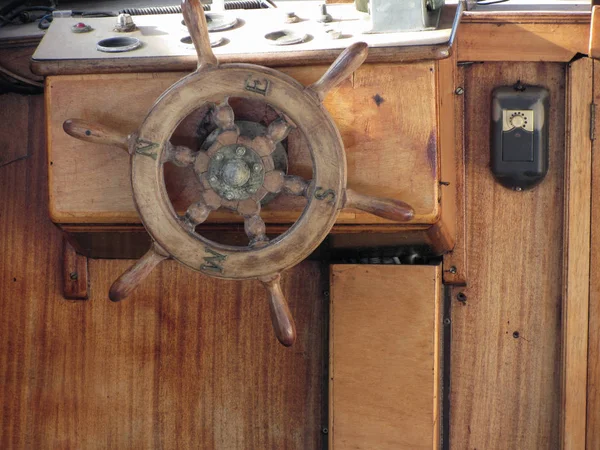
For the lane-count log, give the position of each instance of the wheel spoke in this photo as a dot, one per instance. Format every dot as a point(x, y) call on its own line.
point(256, 230)
point(179, 155)
point(279, 129)
point(295, 185)
point(196, 214)
point(224, 117)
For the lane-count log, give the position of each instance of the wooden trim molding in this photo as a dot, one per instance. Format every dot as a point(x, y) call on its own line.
point(576, 254)
point(593, 373)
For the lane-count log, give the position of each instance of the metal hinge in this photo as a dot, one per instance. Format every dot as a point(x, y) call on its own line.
point(592, 121)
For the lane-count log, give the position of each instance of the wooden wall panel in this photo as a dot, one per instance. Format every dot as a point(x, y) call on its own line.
point(384, 350)
point(505, 364)
point(576, 255)
point(186, 362)
point(389, 153)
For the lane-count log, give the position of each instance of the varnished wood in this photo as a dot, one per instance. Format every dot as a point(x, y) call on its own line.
point(281, 317)
point(521, 42)
point(14, 109)
point(452, 107)
point(576, 255)
point(506, 334)
point(75, 274)
point(137, 273)
point(556, 18)
point(401, 165)
point(343, 67)
point(408, 54)
point(95, 133)
point(188, 362)
point(390, 209)
point(194, 17)
point(384, 344)
point(594, 46)
point(593, 356)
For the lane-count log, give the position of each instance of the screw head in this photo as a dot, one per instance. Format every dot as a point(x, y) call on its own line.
point(229, 196)
point(257, 167)
point(459, 91)
point(218, 156)
point(240, 151)
point(212, 179)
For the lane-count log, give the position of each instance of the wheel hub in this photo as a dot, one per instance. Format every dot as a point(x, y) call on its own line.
point(236, 172)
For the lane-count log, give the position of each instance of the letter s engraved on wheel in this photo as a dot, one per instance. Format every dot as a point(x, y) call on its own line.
point(322, 194)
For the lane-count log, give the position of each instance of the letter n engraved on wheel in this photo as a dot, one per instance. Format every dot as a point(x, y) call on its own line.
point(213, 263)
point(325, 194)
point(146, 148)
point(258, 86)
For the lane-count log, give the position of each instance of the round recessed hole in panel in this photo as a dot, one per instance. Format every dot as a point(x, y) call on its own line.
point(285, 37)
point(118, 44)
point(213, 42)
point(218, 22)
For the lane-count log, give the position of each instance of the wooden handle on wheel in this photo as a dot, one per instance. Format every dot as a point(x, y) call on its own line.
point(133, 276)
point(345, 64)
point(383, 207)
point(281, 317)
point(95, 133)
point(193, 13)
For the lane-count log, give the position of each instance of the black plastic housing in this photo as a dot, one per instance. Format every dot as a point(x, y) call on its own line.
point(519, 158)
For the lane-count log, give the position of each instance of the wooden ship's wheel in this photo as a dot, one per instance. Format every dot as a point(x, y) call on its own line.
point(237, 172)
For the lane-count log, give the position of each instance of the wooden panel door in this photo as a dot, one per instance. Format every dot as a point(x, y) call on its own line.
point(384, 354)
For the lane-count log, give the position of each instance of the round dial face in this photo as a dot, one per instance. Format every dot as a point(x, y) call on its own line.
point(518, 120)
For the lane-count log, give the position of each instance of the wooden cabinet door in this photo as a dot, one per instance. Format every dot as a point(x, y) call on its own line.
point(384, 357)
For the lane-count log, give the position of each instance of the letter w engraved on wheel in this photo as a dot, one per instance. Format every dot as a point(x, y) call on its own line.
point(213, 262)
point(237, 172)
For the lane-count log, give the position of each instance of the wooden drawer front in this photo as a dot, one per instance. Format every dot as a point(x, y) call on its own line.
point(384, 353)
point(386, 115)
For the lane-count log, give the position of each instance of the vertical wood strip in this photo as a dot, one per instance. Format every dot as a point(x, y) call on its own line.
point(576, 269)
point(455, 262)
point(593, 381)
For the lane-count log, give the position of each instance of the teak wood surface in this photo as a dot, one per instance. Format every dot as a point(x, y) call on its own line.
point(187, 362)
point(384, 353)
point(390, 153)
point(576, 255)
point(593, 357)
point(506, 337)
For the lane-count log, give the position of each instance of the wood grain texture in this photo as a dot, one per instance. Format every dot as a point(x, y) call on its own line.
point(576, 254)
point(521, 42)
point(594, 45)
point(404, 54)
point(455, 262)
point(14, 114)
point(186, 362)
point(384, 344)
point(76, 277)
point(505, 363)
point(90, 183)
point(593, 375)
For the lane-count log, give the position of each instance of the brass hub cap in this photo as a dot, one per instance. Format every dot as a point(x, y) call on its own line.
point(235, 172)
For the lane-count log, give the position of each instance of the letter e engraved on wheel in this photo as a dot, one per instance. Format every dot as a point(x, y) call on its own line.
point(213, 263)
point(325, 194)
point(257, 86)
